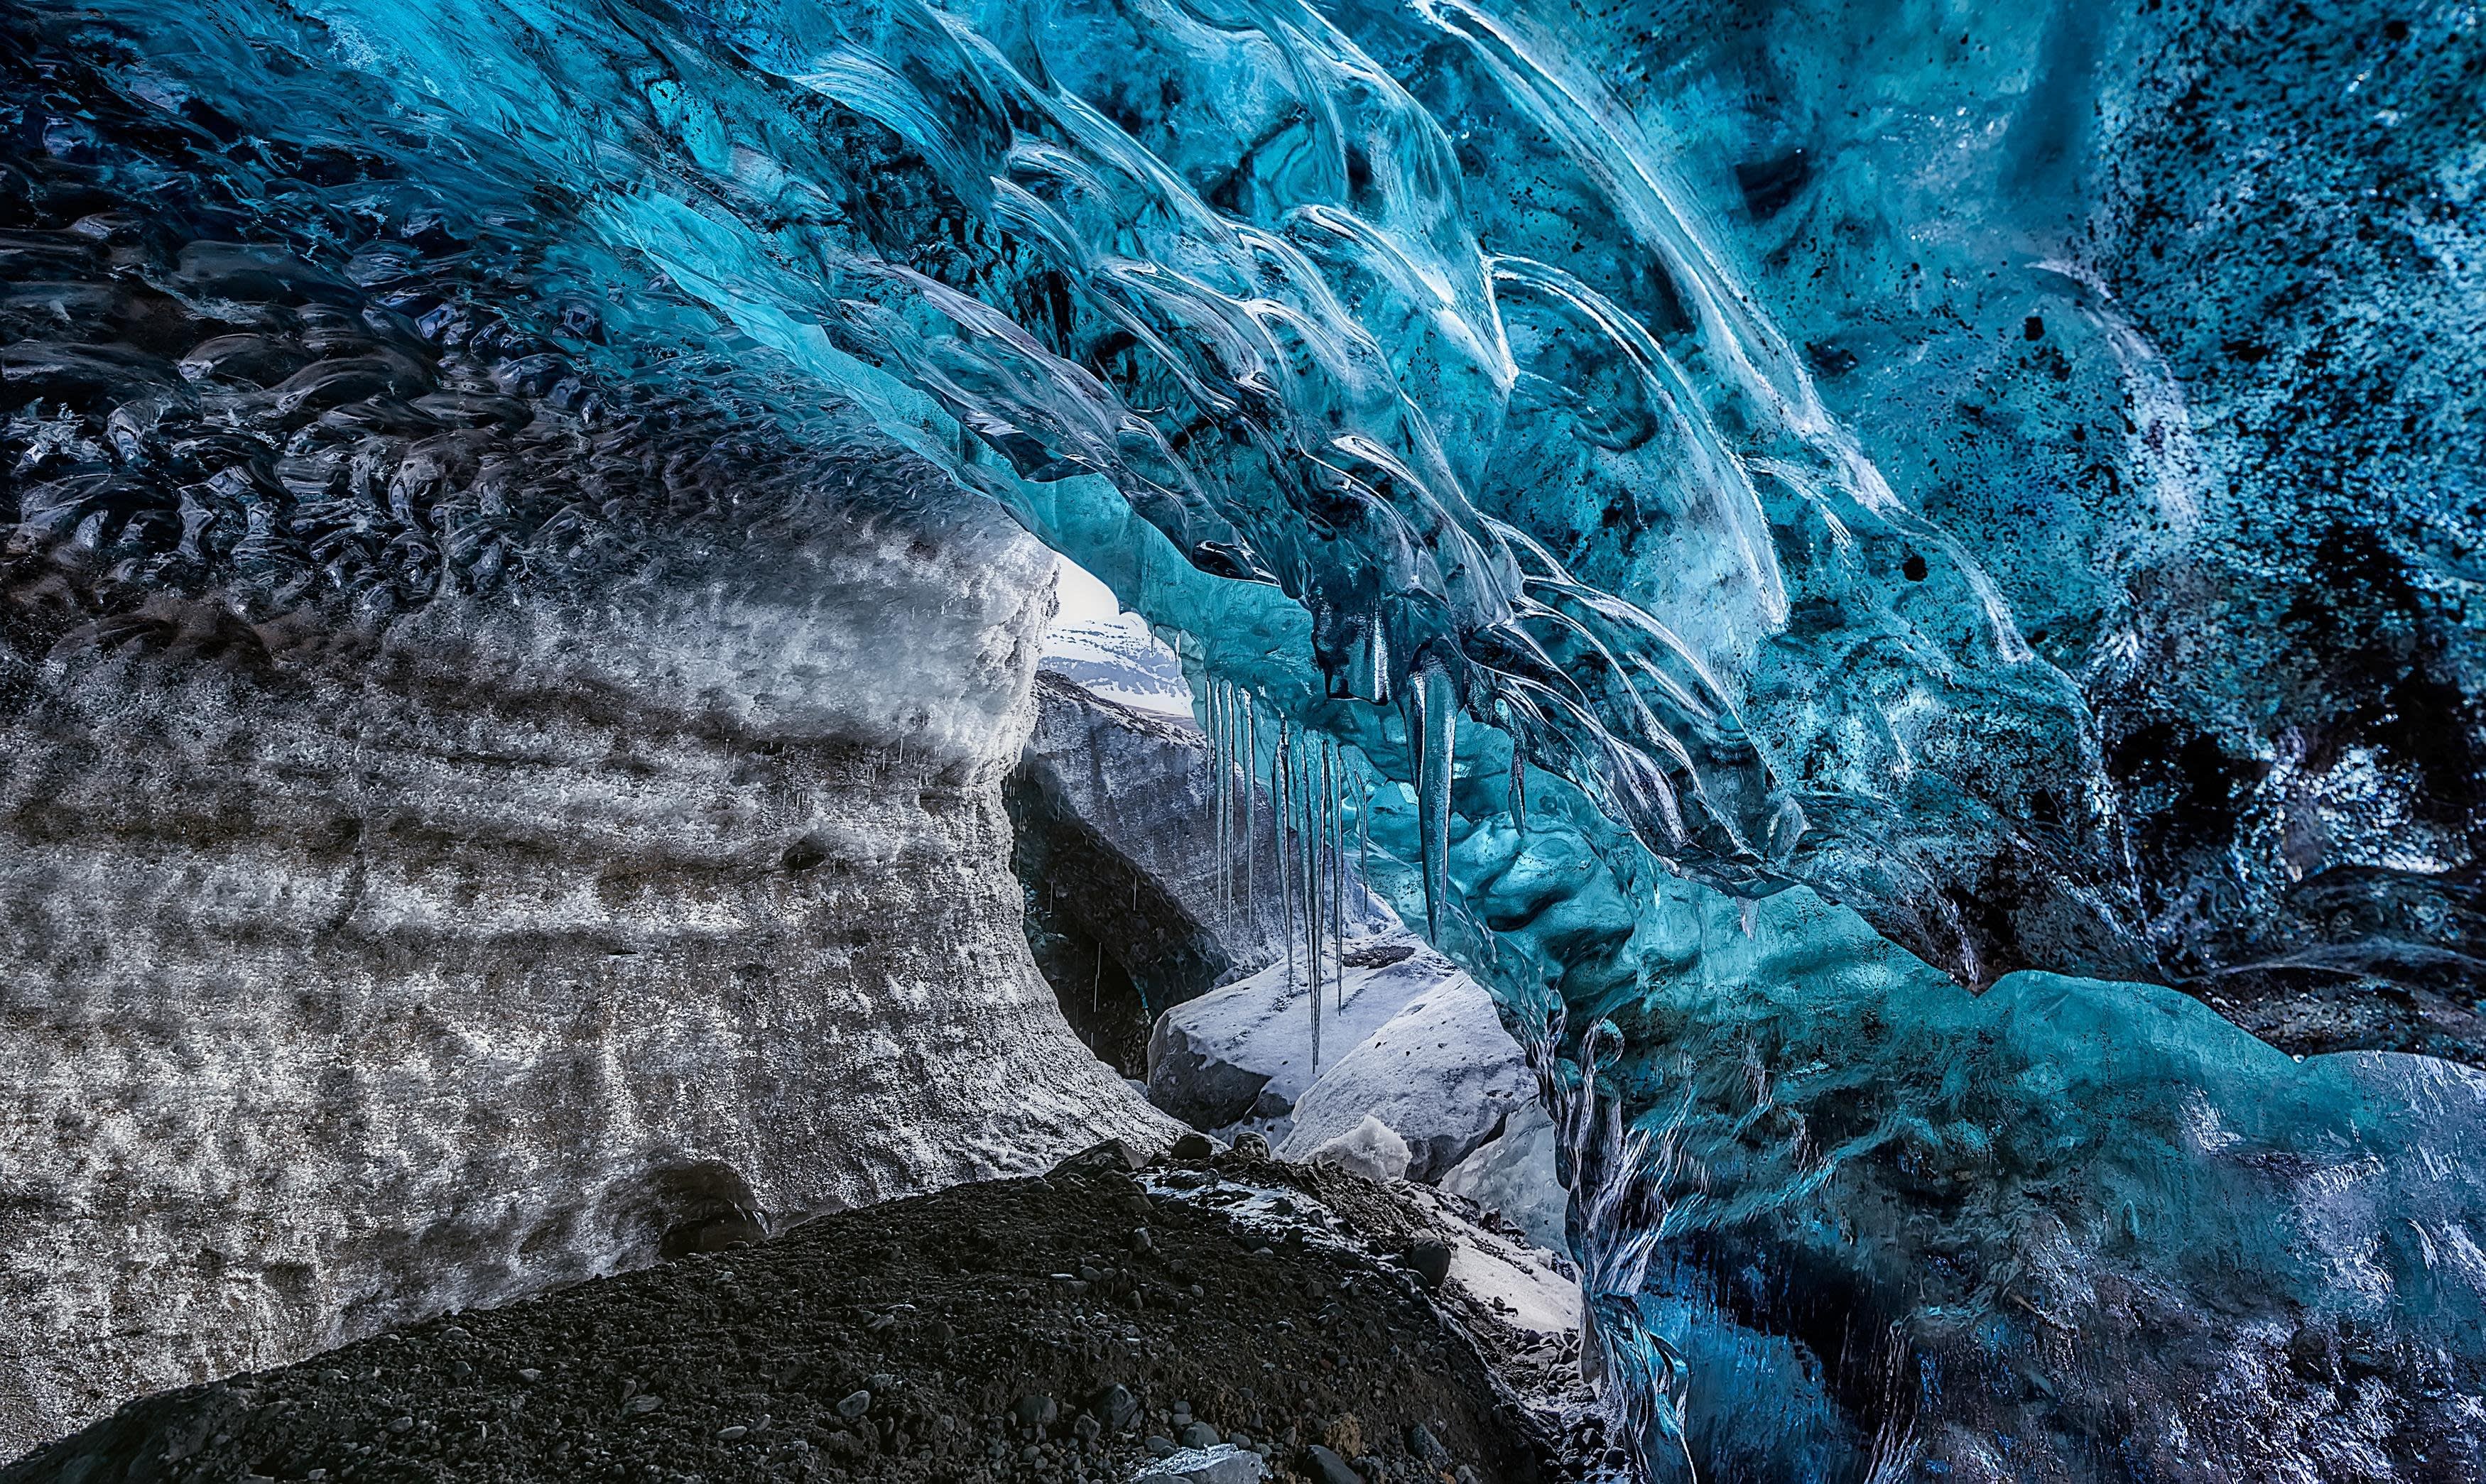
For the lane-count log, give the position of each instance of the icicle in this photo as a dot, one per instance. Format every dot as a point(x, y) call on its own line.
point(1251, 825)
point(1210, 704)
point(1518, 786)
point(1278, 844)
point(1308, 863)
point(1296, 861)
point(1222, 704)
point(1333, 844)
point(1216, 793)
point(1226, 768)
point(1433, 733)
point(1364, 835)
point(1238, 778)
point(1283, 802)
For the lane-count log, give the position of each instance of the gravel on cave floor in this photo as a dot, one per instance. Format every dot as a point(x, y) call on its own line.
point(971, 1334)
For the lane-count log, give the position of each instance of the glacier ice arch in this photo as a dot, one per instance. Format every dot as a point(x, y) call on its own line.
point(1828, 551)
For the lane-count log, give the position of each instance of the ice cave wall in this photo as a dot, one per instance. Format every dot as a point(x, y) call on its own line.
point(355, 977)
point(2169, 313)
point(1004, 249)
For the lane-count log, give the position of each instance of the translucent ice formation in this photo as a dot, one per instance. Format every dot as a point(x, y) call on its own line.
point(1384, 359)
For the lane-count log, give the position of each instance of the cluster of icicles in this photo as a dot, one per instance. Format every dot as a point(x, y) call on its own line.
point(1311, 788)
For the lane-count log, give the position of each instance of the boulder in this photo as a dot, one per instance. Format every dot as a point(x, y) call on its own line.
point(1443, 1074)
point(1514, 1176)
point(1246, 1049)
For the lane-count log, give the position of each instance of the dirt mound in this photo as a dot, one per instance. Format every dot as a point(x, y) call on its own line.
point(1064, 1328)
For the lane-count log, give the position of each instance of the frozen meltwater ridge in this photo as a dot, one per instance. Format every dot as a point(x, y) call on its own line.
point(1758, 526)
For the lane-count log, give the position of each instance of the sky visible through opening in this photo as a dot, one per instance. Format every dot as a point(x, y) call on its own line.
point(1108, 651)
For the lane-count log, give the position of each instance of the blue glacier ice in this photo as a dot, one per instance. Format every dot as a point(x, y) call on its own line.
point(1767, 521)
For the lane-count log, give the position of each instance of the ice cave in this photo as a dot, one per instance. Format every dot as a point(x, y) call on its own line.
point(1243, 741)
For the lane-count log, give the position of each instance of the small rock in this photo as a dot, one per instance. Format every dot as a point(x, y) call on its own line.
point(1465, 1476)
point(1116, 1408)
point(854, 1405)
point(1142, 1242)
point(734, 1434)
point(1325, 1466)
point(530, 1375)
point(1252, 1146)
point(1111, 1155)
point(400, 1426)
point(1030, 1454)
point(1192, 1147)
point(1198, 1435)
point(1160, 1447)
point(1426, 1447)
point(640, 1406)
point(1429, 1260)
point(1087, 1429)
point(1035, 1410)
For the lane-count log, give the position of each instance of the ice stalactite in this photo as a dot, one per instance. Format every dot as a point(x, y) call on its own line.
point(1432, 712)
point(1214, 706)
point(1294, 897)
point(1334, 863)
point(1313, 871)
point(1251, 768)
point(1307, 862)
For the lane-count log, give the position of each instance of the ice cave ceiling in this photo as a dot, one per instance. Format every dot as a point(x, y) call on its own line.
point(2012, 472)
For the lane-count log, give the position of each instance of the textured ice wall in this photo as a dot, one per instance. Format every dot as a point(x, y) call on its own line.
point(2100, 1232)
point(489, 839)
point(2169, 313)
point(387, 976)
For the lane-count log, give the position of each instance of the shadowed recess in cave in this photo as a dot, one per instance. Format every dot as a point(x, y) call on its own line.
point(1529, 522)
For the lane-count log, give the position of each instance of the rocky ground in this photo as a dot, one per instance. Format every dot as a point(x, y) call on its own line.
point(1218, 1318)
